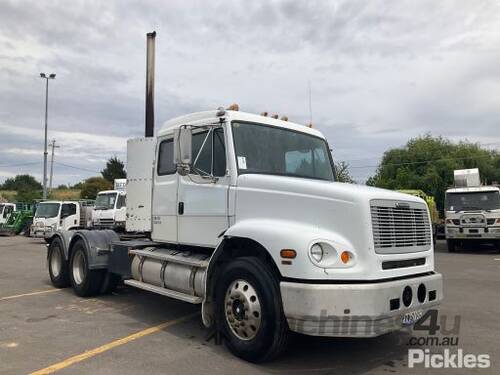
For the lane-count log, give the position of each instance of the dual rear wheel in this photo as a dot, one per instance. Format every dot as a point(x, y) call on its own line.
point(85, 281)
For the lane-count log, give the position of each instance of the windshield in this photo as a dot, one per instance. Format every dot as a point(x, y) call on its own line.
point(479, 200)
point(105, 201)
point(1, 208)
point(271, 150)
point(47, 210)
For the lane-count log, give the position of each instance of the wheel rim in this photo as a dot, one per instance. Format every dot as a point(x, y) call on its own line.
point(55, 262)
point(79, 268)
point(242, 309)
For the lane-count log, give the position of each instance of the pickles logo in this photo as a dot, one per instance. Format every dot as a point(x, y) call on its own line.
point(441, 334)
point(447, 359)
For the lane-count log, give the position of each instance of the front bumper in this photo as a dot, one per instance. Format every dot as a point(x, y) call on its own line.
point(492, 233)
point(41, 232)
point(354, 310)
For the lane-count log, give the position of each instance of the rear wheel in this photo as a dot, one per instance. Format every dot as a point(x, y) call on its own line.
point(85, 282)
point(58, 266)
point(249, 310)
point(452, 246)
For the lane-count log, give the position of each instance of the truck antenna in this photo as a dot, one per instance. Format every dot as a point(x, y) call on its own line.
point(310, 104)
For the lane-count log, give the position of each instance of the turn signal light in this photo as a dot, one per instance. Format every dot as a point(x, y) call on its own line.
point(288, 253)
point(345, 257)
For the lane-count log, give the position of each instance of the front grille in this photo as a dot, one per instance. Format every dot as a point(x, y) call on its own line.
point(400, 227)
point(105, 222)
point(392, 264)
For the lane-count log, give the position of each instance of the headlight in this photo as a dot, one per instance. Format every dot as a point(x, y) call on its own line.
point(317, 252)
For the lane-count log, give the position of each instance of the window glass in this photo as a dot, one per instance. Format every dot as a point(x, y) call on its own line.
point(272, 150)
point(166, 158)
point(202, 161)
point(219, 156)
point(121, 201)
point(68, 209)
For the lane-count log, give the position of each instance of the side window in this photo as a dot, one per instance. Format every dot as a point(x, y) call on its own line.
point(166, 158)
point(202, 160)
point(68, 209)
point(121, 201)
point(219, 156)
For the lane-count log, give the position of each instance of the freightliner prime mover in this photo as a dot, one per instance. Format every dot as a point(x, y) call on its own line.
point(241, 214)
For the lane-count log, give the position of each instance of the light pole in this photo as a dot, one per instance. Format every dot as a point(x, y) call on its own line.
point(53, 146)
point(46, 77)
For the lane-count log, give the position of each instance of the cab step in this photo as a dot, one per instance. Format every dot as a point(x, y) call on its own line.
point(164, 292)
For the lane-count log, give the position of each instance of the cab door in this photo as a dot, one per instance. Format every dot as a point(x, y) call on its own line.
point(202, 205)
point(164, 207)
point(69, 216)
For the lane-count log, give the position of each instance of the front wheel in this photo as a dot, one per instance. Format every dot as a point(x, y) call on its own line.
point(85, 282)
point(249, 310)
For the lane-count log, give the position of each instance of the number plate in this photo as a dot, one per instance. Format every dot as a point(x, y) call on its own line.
point(411, 317)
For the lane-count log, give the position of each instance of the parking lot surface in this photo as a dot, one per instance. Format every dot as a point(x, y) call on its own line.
point(130, 331)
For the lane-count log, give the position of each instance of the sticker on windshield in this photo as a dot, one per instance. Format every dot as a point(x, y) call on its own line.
point(242, 162)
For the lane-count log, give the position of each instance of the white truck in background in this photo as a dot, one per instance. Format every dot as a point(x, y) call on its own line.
point(51, 216)
point(110, 207)
point(5, 210)
point(472, 211)
point(241, 214)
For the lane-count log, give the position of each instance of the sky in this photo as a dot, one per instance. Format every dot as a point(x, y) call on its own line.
point(379, 72)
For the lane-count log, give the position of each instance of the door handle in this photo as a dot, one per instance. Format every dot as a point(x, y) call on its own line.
point(180, 208)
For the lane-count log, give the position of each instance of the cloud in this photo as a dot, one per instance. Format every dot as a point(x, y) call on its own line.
point(381, 72)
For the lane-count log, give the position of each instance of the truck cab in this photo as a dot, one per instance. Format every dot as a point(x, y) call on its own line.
point(5, 210)
point(109, 209)
point(51, 216)
point(241, 214)
point(472, 214)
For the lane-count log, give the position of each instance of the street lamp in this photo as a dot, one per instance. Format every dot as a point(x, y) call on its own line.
point(46, 77)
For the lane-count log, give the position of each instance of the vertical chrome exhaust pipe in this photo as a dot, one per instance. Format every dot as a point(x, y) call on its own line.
point(150, 85)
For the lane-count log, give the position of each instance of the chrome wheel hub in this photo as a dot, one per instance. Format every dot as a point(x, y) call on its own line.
point(79, 268)
point(55, 262)
point(242, 309)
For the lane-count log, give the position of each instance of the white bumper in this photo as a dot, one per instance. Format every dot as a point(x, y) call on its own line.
point(355, 310)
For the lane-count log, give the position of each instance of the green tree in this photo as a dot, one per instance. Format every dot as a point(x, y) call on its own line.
point(114, 169)
point(427, 163)
point(24, 182)
point(342, 173)
point(91, 186)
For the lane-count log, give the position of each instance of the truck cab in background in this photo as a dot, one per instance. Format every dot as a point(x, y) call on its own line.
point(51, 216)
point(110, 207)
point(472, 211)
point(5, 210)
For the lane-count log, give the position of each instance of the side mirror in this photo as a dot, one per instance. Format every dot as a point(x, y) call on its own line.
point(183, 138)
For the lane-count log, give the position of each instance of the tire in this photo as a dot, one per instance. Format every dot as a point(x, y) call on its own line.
point(85, 282)
point(254, 290)
point(452, 246)
point(57, 264)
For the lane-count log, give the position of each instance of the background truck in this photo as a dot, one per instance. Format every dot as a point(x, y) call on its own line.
point(110, 207)
point(51, 216)
point(472, 211)
point(240, 213)
point(5, 210)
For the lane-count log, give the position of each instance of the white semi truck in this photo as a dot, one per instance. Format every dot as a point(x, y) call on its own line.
point(472, 211)
point(241, 214)
point(51, 216)
point(110, 207)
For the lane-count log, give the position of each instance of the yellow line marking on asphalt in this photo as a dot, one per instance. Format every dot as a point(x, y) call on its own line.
point(113, 344)
point(30, 294)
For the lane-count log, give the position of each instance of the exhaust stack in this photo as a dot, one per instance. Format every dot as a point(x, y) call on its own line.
point(150, 85)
